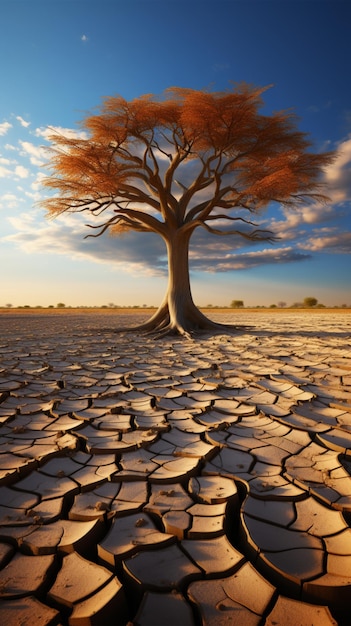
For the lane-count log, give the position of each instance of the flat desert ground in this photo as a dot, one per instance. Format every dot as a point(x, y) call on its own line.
point(175, 482)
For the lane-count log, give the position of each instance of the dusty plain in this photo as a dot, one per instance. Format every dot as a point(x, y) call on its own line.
point(175, 482)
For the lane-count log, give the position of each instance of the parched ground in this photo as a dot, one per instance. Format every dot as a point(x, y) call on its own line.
point(175, 482)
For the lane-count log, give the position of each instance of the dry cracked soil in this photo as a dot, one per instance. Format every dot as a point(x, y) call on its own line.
point(175, 482)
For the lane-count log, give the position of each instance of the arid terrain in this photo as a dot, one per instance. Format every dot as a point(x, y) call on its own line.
point(175, 482)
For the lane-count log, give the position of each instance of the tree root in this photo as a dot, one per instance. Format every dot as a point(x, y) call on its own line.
point(189, 326)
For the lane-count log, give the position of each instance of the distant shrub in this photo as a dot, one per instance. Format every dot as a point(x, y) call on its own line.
point(236, 304)
point(310, 302)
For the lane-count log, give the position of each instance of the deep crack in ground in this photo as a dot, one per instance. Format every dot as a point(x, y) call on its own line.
point(175, 482)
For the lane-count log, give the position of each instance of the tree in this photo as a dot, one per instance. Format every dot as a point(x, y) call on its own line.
point(310, 302)
point(189, 159)
point(237, 304)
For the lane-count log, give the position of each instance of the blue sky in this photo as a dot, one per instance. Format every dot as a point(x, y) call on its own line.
point(59, 58)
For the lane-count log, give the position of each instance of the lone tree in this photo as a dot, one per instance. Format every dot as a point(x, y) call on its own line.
point(237, 304)
point(186, 160)
point(310, 302)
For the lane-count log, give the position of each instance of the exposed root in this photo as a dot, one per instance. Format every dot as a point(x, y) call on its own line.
point(185, 325)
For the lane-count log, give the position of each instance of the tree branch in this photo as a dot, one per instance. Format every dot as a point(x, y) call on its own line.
point(138, 217)
point(255, 235)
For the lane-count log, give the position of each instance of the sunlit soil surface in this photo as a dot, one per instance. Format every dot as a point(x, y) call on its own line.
point(175, 482)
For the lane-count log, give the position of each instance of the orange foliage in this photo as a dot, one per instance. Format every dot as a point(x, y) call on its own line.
point(132, 165)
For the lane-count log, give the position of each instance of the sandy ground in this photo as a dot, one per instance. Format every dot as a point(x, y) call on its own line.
point(149, 311)
point(178, 482)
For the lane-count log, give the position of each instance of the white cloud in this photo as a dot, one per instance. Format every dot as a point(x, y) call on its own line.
point(296, 219)
point(8, 201)
point(84, 38)
point(36, 185)
point(11, 169)
point(33, 195)
point(340, 243)
point(338, 174)
point(296, 224)
point(48, 131)
point(21, 171)
point(133, 253)
point(5, 127)
point(22, 121)
point(4, 172)
point(36, 153)
point(247, 260)
point(9, 146)
point(18, 172)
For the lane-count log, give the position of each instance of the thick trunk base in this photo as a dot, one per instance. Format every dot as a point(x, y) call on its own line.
point(178, 314)
point(188, 322)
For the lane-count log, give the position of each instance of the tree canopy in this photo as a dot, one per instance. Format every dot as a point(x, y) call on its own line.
point(186, 160)
point(310, 302)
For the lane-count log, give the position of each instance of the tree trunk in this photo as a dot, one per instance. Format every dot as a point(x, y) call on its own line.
point(178, 313)
point(184, 316)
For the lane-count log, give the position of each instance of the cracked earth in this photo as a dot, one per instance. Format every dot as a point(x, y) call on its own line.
point(175, 482)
